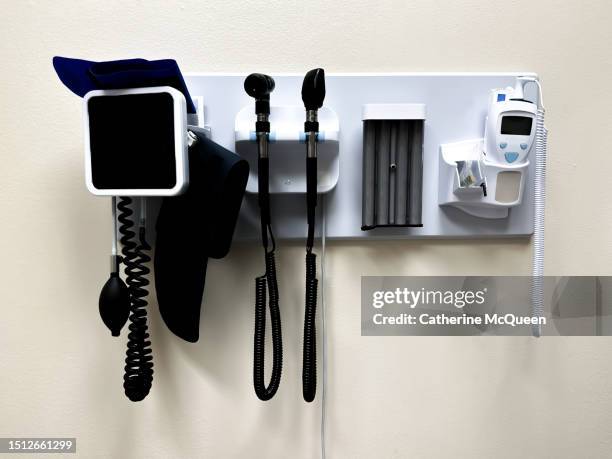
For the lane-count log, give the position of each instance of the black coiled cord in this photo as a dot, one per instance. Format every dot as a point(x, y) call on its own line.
point(309, 363)
point(309, 350)
point(267, 285)
point(138, 376)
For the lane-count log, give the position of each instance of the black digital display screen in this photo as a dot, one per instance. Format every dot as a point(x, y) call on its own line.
point(132, 141)
point(516, 125)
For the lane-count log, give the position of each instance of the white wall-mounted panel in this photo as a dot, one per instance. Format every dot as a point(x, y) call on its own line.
point(456, 106)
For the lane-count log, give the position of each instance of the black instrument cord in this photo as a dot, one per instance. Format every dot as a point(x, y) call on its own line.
point(309, 351)
point(259, 86)
point(266, 286)
point(313, 95)
point(138, 376)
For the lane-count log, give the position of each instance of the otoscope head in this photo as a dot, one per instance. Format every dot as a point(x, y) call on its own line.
point(313, 89)
point(259, 86)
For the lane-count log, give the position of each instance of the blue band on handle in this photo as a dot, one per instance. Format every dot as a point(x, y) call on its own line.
point(319, 135)
point(271, 136)
point(81, 76)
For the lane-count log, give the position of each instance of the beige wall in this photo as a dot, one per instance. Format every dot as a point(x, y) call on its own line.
point(388, 397)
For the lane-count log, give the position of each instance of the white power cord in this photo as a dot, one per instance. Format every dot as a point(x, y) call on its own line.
point(323, 330)
point(537, 290)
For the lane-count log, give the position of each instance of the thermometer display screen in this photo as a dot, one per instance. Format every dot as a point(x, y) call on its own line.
point(516, 125)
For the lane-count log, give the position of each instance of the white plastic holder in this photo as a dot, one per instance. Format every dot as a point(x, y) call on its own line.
point(504, 184)
point(288, 150)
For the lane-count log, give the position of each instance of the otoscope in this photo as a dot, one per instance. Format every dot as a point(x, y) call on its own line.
point(313, 94)
point(260, 86)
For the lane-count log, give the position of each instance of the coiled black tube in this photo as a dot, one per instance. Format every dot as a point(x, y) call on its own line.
point(309, 362)
point(138, 376)
point(309, 350)
point(268, 283)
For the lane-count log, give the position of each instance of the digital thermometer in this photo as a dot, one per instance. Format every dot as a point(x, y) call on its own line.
point(510, 126)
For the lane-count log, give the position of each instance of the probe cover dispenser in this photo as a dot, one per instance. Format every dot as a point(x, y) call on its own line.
point(490, 195)
point(287, 138)
point(392, 180)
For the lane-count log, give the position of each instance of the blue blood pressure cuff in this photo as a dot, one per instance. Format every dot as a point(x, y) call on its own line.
point(193, 227)
point(81, 76)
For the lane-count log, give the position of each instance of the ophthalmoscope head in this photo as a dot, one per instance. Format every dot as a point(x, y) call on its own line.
point(313, 89)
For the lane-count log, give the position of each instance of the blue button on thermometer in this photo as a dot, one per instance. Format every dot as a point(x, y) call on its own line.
point(511, 157)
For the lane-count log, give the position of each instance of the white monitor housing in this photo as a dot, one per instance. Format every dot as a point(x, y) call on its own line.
point(136, 142)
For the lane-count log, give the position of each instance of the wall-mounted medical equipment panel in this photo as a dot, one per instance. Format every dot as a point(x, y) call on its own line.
point(391, 156)
point(453, 110)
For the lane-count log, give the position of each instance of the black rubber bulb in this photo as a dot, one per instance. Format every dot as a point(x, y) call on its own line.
point(259, 86)
point(313, 89)
point(114, 303)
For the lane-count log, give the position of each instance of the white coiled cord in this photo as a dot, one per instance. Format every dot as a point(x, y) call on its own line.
point(537, 288)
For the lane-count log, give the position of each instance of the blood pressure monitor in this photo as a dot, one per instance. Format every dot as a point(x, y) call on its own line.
point(509, 129)
point(136, 142)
